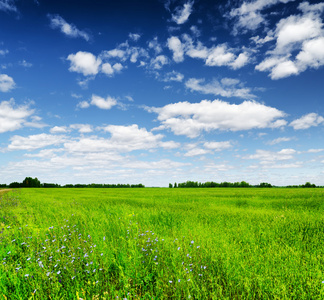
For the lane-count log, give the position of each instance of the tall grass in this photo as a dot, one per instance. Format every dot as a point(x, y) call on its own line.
point(162, 244)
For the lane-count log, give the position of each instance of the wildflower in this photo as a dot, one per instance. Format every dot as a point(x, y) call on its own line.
point(104, 238)
point(179, 280)
point(28, 258)
point(179, 248)
point(9, 252)
point(73, 277)
point(58, 273)
point(26, 275)
point(192, 242)
point(170, 281)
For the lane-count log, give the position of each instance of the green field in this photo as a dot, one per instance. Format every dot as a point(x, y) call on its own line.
point(162, 244)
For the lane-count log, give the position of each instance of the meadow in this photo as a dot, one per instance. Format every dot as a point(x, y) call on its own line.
point(153, 243)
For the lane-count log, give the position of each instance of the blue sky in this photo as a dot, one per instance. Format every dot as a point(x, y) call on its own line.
point(159, 91)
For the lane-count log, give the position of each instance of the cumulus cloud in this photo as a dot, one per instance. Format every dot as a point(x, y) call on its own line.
point(110, 70)
point(155, 45)
point(249, 15)
point(227, 87)
point(66, 28)
point(215, 56)
point(197, 152)
point(6, 83)
point(33, 142)
point(307, 121)
point(218, 146)
point(82, 128)
point(190, 119)
point(267, 157)
point(103, 103)
point(84, 62)
point(299, 44)
point(58, 129)
point(182, 14)
point(176, 47)
point(158, 62)
point(13, 117)
point(123, 139)
point(173, 76)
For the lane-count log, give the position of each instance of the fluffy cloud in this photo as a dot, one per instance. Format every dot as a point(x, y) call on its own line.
point(215, 56)
point(6, 83)
point(307, 121)
point(102, 103)
point(176, 47)
point(181, 14)
point(267, 157)
point(123, 139)
point(301, 34)
point(173, 76)
point(158, 62)
point(82, 128)
point(66, 28)
point(110, 70)
point(190, 119)
point(84, 62)
point(13, 117)
point(249, 17)
point(33, 142)
point(218, 146)
point(227, 87)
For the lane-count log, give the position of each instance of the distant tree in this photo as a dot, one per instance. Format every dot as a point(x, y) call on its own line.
point(31, 182)
point(14, 185)
point(170, 185)
point(175, 185)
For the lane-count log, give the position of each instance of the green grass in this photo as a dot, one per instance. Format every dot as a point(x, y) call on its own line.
point(162, 244)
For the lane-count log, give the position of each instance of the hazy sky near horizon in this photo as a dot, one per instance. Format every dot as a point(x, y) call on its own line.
point(162, 91)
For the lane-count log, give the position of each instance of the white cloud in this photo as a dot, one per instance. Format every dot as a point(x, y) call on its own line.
point(83, 104)
point(103, 103)
point(123, 139)
point(218, 146)
point(158, 62)
point(13, 117)
point(58, 129)
point(197, 152)
point(182, 14)
point(110, 70)
point(307, 121)
point(280, 140)
point(8, 5)
point(134, 36)
point(82, 128)
point(227, 87)
point(190, 119)
point(66, 28)
point(33, 142)
point(248, 16)
point(219, 56)
point(267, 157)
point(299, 44)
point(175, 45)
point(6, 83)
point(173, 76)
point(155, 45)
point(215, 56)
point(84, 62)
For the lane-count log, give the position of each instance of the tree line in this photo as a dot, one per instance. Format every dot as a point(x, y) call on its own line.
point(225, 184)
point(35, 183)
